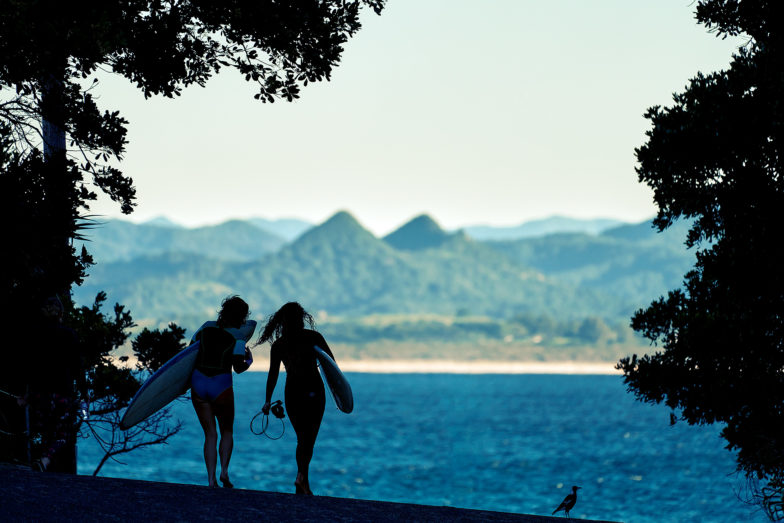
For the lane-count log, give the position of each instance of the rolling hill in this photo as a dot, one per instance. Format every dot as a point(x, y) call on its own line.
point(419, 281)
point(633, 263)
point(542, 227)
point(341, 268)
point(237, 240)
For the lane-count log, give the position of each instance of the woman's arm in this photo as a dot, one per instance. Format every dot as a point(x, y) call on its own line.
point(323, 344)
point(242, 358)
point(242, 363)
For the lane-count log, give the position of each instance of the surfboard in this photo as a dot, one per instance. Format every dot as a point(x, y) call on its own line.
point(336, 381)
point(168, 382)
point(243, 333)
point(172, 379)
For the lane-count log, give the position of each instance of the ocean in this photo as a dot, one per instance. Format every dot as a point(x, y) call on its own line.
point(511, 443)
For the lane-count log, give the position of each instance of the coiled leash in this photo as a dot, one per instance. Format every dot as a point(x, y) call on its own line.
point(277, 410)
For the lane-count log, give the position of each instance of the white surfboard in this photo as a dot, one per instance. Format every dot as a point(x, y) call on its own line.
point(336, 381)
point(243, 333)
point(171, 380)
point(168, 382)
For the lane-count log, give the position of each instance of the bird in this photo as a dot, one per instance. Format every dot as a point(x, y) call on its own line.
point(568, 503)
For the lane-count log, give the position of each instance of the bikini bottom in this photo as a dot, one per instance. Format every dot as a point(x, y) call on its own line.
point(209, 388)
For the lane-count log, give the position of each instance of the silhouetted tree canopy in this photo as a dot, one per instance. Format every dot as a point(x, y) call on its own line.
point(57, 147)
point(715, 157)
point(162, 47)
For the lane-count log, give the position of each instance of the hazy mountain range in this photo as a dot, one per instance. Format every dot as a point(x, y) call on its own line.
point(164, 272)
point(543, 227)
point(117, 240)
point(290, 228)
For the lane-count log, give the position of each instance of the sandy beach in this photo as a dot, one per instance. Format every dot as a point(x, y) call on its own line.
point(434, 366)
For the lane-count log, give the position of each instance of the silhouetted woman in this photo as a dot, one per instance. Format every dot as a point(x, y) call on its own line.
point(293, 344)
point(212, 393)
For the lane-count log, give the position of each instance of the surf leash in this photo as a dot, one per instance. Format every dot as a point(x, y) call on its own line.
point(277, 410)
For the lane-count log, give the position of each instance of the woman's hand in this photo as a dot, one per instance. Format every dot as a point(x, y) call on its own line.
point(266, 408)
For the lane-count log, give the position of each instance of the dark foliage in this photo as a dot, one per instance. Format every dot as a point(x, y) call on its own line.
point(57, 147)
point(38, 203)
point(153, 348)
point(715, 156)
point(110, 387)
point(49, 49)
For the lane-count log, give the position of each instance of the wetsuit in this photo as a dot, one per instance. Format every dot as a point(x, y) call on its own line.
point(304, 390)
point(212, 373)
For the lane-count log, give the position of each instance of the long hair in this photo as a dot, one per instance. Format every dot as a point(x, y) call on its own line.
point(289, 319)
point(234, 310)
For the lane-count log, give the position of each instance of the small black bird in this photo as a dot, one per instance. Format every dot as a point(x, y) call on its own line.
point(568, 503)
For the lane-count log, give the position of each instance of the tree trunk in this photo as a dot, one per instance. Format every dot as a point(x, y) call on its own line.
point(52, 124)
point(53, 130)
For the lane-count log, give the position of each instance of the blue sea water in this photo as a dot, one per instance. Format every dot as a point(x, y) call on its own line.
point(512, 443)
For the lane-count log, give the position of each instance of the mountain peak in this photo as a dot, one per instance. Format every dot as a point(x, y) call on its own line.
point(421, 232)
point(342, 222)
point(340, 225)
point(341, 219)
point(424, 222)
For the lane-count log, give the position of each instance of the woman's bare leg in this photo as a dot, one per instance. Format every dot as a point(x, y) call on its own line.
point(206, 415)
point(306, 418)
point(224, 410)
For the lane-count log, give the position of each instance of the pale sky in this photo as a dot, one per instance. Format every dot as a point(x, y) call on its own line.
point(493, 112)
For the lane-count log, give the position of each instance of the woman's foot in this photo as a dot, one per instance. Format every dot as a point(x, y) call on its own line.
point(302, 486)
point(226, 482)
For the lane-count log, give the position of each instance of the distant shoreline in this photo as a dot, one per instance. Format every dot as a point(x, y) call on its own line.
point(435, 366)
point(422, 366)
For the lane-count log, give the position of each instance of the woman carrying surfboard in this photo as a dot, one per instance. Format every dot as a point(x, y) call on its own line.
point(293, 345)
point(212, 393)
